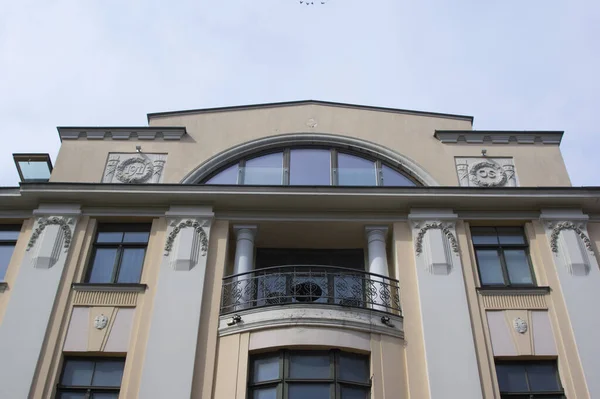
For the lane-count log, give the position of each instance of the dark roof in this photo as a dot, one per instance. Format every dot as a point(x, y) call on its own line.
point(306, 102)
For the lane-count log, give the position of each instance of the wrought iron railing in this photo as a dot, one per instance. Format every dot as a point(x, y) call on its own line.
point(310, 285)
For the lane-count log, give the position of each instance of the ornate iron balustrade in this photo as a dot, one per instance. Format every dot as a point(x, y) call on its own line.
point(331, 285)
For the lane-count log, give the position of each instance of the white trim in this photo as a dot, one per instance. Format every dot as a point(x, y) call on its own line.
point(391, 157)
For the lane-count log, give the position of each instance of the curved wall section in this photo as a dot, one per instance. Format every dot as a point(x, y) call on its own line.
point(386, 155)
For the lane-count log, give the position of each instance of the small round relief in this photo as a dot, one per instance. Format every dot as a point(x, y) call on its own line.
point(100, 321)
point(520, 325)
point(488, 174)
point(311, 123)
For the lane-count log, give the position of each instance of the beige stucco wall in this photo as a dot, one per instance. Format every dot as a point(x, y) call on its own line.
point(211, 133)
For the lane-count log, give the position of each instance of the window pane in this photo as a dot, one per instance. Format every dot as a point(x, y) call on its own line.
point(490, 269)
point(511, 235)
point(265, 393)
point(35, 170)
point(107, 237)
point(511, 378)
point(312, 391)
point(265, 170)
point(9, 235)
point(484, 235)
point(6, 252)
point(77, 372)
point(310, 366)
point(266, 369)
point(226, 176)
point(542, 377)
point(131, 265)
point(71, 395)
point(354, 392)
point(102, 265)
point(105, 395)
point(355, 171)
point(518, 266)
point(108, 374)
point(353, 368)
point(392, 178)
point(310, 167)
point(137, 237)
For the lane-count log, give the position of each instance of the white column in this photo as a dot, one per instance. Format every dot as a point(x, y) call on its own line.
point(579, 277)
point(242, 288)
point(168, 368)
point(378, 264)
point(447, 334)
point(25, 322)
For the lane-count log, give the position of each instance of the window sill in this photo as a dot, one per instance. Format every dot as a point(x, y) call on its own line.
point(513, 290)
point(3, 286)
point(109, 287)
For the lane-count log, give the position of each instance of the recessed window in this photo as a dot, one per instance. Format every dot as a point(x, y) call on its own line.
point(119, 253)
point(311, 166)
point(8, 239)
point(529, 380)
point(90, 378)
point(502, 256)
point(309, 374)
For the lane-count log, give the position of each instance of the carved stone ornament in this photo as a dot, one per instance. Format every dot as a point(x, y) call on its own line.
point(134, 168)
point(445, 227)
point(486, 172)
point(196, 225)
point(312, 123)
point(560, 226)
point(100, 321)
point(43, 222)
point(520, 325)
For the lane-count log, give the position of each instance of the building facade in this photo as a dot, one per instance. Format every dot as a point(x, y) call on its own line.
point(301, 250)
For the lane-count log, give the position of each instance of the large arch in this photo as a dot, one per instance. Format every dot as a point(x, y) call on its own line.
point(230, 155)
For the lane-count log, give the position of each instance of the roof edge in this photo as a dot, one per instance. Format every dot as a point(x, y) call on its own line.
point(307, 102)
point(121, 132)
point(551, 137)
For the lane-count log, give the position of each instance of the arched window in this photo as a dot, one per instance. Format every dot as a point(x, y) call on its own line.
point(310, 166)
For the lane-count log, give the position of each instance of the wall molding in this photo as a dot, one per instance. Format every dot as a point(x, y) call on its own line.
point(498, 137)
point(558, 227)
point(445, 227)
point(121, 133)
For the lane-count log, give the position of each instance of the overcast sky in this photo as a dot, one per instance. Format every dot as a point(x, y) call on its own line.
point(519, 65)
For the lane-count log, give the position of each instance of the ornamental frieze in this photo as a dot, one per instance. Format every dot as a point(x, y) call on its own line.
point(486, 172)
point(136, 168)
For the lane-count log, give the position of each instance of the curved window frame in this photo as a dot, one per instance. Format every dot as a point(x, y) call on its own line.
point(333, 170)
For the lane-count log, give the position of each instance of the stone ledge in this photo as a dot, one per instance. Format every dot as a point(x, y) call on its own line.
point(121, 133)
point(498, 137)
point(513, 290)
point(109, 287)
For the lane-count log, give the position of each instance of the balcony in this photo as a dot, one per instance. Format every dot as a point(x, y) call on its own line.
point(310, 285)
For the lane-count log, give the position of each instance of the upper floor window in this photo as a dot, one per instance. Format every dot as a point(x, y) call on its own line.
point(8, 239)
point(309, 374)
point(90, 378)
point(119, 252)
point(311, 166)
point(502, 256)
point(529, 379)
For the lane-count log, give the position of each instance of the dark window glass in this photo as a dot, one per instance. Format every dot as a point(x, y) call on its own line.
point(91, 378)
point(393, 178)
point(502, 256)
point(226, 176)
point(529, 378)
point(310, 167)
point(356, 171)
point(264, 170)
point(8, 239)
point(119, 253)
point(349, 258)
point(309, 375)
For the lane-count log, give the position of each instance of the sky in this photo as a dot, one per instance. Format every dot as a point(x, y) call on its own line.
point(513, 65)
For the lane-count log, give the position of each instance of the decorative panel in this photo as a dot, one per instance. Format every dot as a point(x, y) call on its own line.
point(486, 172)
point(134, 168)
point(524, 301)
point(104, 298)
point(99, 329)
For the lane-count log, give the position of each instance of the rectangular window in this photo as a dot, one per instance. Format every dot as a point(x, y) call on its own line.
point(502, 256)
point(309, 374)
point(90, 378)
point(529, 379)
point(8, 239)
point(119, 252)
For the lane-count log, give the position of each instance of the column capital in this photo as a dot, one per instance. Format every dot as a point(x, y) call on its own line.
point(374, 233)
point(245, 231)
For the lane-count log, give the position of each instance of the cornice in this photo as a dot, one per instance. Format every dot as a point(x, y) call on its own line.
point(121, 133)
point(498, 137)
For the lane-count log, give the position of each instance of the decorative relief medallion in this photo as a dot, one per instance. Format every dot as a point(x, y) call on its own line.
point(445, 227)
point(520, 325)
point(196, 225)
point(486, 172)
point(134, 168)
point(43, 222)
point(100, 321)
point(560, 226)
point(312, 123)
